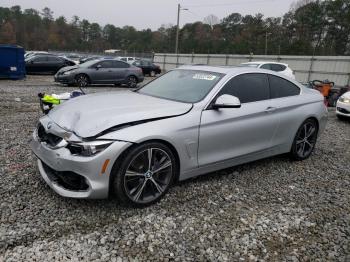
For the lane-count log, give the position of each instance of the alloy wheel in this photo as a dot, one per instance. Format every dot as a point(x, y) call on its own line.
point(306, 139)
point(148, 175)
point(132, 82)
point(82, 81)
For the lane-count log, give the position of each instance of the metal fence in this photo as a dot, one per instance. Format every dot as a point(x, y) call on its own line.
point(306, 68)
point(143, 55)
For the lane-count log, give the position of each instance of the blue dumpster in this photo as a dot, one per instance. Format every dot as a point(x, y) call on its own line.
point(12, 62)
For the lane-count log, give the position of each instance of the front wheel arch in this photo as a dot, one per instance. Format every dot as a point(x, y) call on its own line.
point(122, 156)
point(82, 74)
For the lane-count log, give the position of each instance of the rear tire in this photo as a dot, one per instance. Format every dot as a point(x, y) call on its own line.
point(305, 140)
point(139, 181)
point(131, 82)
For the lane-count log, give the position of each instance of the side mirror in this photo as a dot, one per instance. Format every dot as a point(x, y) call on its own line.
point(227, 101)
point(32, 62)
point(98, 67)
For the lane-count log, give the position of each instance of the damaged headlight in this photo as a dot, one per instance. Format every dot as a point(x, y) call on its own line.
point(88, 148)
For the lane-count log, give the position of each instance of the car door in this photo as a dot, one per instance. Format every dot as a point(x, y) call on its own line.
point(55, 63)
point(102, 72)
point(228, 133)
point(146, 65)
point(285, 97)
point(121, 70)
point(139, 65)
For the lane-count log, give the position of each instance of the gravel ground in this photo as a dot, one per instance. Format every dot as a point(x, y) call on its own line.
point(272, 210)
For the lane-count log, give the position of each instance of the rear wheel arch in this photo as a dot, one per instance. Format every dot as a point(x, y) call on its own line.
point(294, 154)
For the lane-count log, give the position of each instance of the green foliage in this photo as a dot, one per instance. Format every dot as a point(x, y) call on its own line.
point(312, 27)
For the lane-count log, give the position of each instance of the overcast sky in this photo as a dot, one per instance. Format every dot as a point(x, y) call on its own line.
point(151, 13)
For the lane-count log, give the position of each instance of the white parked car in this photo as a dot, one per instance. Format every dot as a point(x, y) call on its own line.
point(274, 66)
point(127, 59)
point(343, 106)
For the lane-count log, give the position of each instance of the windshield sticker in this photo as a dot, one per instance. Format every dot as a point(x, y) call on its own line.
point(204, 77)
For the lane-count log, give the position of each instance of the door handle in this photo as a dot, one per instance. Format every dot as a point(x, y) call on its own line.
point(110, 71)
point(270, 109)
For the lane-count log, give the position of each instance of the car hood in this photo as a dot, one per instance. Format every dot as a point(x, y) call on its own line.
point(68, 68)
point(90, 115)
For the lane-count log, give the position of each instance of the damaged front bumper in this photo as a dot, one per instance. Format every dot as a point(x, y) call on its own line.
point(73, 175)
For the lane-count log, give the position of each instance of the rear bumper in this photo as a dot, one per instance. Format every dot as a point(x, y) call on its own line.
point(140, 78)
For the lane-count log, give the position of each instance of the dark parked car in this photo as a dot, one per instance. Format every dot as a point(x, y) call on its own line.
point(46, 63)
point(148, 68)
point(106, 71)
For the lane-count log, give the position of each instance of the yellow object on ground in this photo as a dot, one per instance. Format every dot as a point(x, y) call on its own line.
point(51, 100)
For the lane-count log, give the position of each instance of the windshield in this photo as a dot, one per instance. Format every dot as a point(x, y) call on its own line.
point(189, 86)
point(249, 65)
point(89, 63)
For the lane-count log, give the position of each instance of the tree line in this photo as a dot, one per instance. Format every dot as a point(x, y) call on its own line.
point(309, 28)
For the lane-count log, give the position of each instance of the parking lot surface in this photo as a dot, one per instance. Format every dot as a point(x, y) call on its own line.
point(273, 209)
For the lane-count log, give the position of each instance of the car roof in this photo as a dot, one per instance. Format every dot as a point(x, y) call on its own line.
point(265, 62)
point(220, 69)
point(230, 70)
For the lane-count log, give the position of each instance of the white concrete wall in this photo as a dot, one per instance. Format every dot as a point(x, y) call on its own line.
point(334, 68)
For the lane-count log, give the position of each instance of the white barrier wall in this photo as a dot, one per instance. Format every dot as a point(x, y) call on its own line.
point(306, 68)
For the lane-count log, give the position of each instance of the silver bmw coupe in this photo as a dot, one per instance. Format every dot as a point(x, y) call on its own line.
point(188, 122)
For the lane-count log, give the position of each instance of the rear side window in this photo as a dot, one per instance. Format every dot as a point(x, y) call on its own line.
point(106, 64)
point(282, 88)
point(248, 87)
point(119, 64)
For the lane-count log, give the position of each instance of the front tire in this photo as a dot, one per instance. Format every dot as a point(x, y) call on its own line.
point(82, 80)
point(342, 118)
point(145, 174)
point(305, 140)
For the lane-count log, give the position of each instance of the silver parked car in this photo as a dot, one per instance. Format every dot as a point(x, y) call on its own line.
point(100, 71)
point(188, 122)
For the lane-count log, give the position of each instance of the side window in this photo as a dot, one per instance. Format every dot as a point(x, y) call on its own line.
point(119, 64)
point(106, 64)
point(277, 67)
point(282, 88)
point(123, 59)
point(40, 59)
point(266, 66)
point(248, 87)
point(54, 59)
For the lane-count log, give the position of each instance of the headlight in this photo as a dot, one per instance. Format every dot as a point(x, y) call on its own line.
point(88, 148)
point(68, 72)
point(344, 100)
